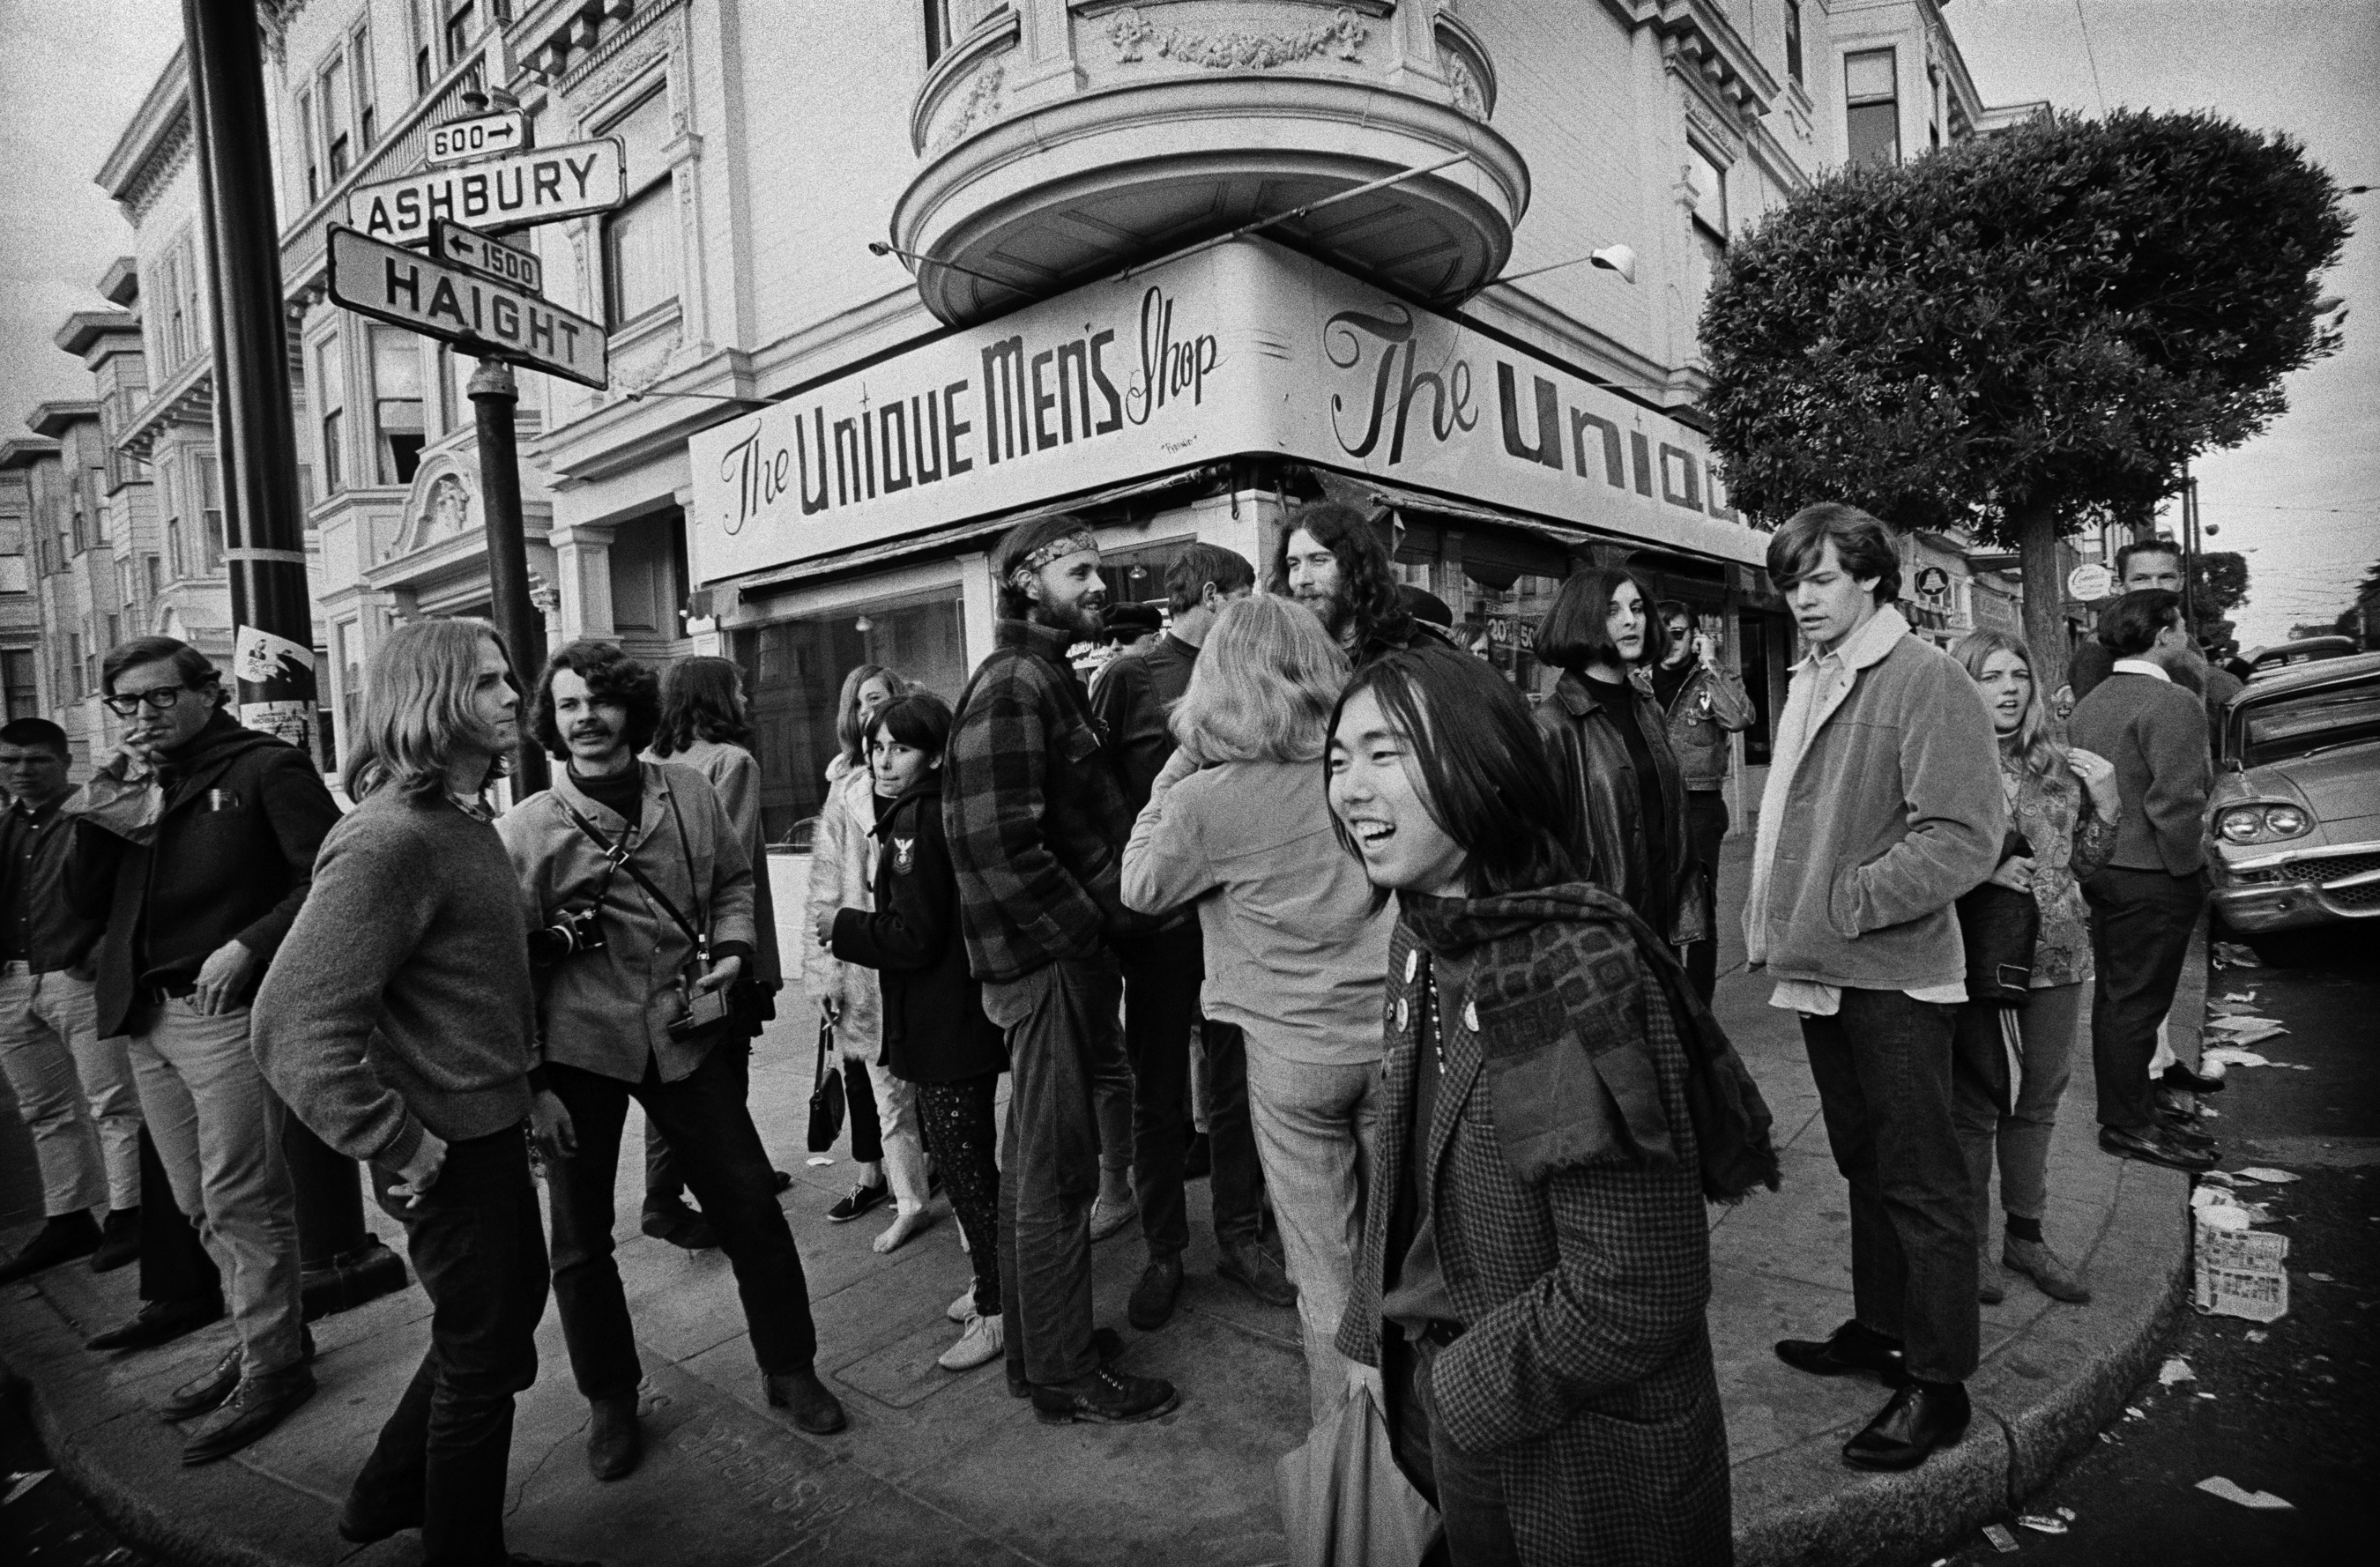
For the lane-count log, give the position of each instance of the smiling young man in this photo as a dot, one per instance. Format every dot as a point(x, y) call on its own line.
point(1883, 808)
point(57, 1064)
point(1034, 810)
point(639, 864)
point(198, 862)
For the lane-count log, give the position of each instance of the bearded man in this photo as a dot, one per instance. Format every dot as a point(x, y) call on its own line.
point(1331, 560)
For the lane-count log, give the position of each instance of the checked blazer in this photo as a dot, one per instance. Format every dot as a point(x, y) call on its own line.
point(1561, 1174)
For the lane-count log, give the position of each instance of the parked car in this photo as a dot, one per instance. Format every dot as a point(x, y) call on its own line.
point(2294, 823)
point(2288, 655)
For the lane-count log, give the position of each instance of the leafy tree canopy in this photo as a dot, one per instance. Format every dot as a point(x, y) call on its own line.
point(2042, 327)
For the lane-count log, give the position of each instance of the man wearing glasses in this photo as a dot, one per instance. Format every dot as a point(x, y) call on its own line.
point(195, 845)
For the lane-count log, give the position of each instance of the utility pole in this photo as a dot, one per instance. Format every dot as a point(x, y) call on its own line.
point(495, 396)
point(272, 615)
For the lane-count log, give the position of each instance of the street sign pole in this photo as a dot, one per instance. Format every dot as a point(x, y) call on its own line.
point(494, 397)
point(273, 655)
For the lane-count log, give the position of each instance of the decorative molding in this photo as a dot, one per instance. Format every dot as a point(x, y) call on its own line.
point(1237, 48)
point(602, 72)
point(1725, 140)
point(177, 148)
point(1468, 98)
point(981, 101)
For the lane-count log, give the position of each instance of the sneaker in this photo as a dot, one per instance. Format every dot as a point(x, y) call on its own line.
point(1109, 1219)
point(963, 1309)
point(1106, 1397)
point(2156, 1146)
point(62, 1239)
point(2045, 1268)
point(982, 1342)
point(120, 1240)
point(255, 1407)
point(860, 1199)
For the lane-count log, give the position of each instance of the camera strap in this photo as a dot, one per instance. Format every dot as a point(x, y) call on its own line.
point(619, 858)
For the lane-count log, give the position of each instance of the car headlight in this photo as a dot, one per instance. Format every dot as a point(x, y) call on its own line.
point(2242, 824)
point(2263, 823)
point(2286, 821)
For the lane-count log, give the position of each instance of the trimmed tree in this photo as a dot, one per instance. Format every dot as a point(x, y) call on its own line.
point(2021, 333)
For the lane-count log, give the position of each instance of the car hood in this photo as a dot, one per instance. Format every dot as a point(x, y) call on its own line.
point(2339, 789)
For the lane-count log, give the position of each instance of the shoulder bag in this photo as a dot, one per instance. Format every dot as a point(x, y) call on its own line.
point(826, 1091)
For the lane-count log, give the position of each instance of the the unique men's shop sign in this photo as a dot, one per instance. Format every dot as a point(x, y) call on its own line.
point(1244, 348)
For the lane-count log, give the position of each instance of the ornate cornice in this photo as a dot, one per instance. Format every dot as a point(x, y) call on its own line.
point(1702, 47)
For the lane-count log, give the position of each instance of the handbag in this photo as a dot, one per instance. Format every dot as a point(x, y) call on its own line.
point(1343, 1500)
point(708, 1019)
point(826, 1092)
point(2001, 927)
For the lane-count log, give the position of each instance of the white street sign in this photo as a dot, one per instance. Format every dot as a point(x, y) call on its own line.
point(452, 243)
point(2088, 581)
point(465, 308)
point(517, 190)
point(481, 136)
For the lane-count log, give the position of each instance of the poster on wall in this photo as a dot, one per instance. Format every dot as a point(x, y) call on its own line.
point(274, 677)
point(1244, 348)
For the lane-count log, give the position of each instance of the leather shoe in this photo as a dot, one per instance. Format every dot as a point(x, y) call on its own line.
point(1107, 1397)
point(208, 1390)
point(157, 1322)
point(680, 1226)
point(1852, 1347)
point(613, 1444)
point(2183, 1079)
point(1251, 1267)
point(62, 1239)
point(255, 1407)
point(2156, 1146)
point(1920, 1417)
point(120, 1240)
point(2045, 1268)
point(1152, 1299)
point(816, 1410)
point(358, 1524)
point(1106, 1342)
point(781, 1182)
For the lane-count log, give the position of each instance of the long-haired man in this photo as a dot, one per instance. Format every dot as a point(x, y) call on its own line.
point(1331, 560)
point(413, 945)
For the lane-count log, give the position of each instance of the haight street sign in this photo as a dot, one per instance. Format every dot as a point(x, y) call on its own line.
point(465, 308)
point(481, 136)
point(517, 190)
point(457, 246)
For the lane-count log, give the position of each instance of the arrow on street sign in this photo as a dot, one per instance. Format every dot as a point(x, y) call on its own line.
point(516, 190)
point(452, 243)
point(481, 136)
point(466, 308)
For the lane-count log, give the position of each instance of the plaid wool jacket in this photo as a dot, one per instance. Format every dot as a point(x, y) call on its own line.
point(1561, 1173)
point(1033, 809)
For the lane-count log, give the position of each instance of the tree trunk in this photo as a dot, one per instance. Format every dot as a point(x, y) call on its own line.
point(2035, 527)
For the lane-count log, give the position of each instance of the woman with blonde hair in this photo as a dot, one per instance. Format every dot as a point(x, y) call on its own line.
point(886, 1140)
point(1296, 941)
point(2009, 1064)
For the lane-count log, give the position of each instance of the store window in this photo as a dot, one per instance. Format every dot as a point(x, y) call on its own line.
point(793, 670)
point(397, 433)
point(1498, 583)
point(1871, 109)
point(640, 239)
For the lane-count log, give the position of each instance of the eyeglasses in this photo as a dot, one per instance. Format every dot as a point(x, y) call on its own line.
point(127, 703)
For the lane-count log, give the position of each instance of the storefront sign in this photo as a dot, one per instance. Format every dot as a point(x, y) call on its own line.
point(1247, 348)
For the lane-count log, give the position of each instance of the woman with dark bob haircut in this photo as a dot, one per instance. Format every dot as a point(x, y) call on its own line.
point(1555, 1106)
point(1623, 798)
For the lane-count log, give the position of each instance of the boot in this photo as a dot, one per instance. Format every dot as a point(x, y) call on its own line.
point(816, 1410)
point(1991, 1287)
point(255, 1407)
point(613, 1444)
point(2047, 1269)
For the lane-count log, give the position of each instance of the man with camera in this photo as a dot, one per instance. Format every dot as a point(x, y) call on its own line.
point(638, 895)
point(196, 844)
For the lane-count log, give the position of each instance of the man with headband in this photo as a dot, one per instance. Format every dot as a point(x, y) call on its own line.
point(1034, 813)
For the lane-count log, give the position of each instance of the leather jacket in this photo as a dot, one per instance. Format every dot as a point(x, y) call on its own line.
point(1598, 786)
point(1710, 705)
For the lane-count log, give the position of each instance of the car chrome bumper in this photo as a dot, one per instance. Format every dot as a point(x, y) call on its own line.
point(2289, 892)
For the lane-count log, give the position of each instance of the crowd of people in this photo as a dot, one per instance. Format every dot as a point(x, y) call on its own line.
point(1297, 896)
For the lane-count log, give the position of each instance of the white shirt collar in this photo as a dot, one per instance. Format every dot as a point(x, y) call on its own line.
point(2142, 666)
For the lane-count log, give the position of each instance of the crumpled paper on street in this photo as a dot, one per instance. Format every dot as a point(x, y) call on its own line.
point(2216, 1485)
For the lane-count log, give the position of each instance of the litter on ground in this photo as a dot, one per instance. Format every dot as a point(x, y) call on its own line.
point(818, 1159)
point(2234, 955)
point(2260, 1172)
point(2067, 1514)
point(2002, 1541)
point(2176, 1369)
point(2237, 996)
point(2216, 1485)
point(24, 1482)
point(2322, 1278)
point(2040, 1524)
point(2257, 1335)
point(2133, 1412)
point(2227, 1055)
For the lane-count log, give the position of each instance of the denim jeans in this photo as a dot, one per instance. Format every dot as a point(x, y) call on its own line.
point(1882, 1064)
point(475, 1240)
point(70, 1084)
point(1061, 1024)
point(1163, 971)
point(218, 1129)
point(1467, 1488)
point(2141, 925)
point(1314, 1127)
point(712, 1136)
point(1705, 830)
point(2011, 1107)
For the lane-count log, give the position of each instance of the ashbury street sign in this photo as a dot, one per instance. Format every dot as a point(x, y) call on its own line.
point(1244, 348)
point(497, 195)
point(467, 309)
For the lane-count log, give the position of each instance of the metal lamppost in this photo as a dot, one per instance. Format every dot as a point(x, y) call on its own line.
point(271, 607)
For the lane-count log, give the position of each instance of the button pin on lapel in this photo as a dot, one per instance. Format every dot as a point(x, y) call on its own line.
point(1471, 1016)
point(1412, 965)
point(1401, 1014)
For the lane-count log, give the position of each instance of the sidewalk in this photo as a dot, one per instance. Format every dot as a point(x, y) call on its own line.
point(937, 1468)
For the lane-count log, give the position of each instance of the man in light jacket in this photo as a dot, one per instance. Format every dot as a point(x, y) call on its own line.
point(1883, 808)
point(639, 893)
point(1704, 703)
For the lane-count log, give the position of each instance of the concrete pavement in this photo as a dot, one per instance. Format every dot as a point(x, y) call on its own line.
point(938, 1468)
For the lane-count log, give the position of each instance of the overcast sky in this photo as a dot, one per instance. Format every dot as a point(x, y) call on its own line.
point(2303, 501)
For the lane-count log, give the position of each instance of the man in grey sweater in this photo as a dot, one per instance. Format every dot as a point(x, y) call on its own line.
point(397, 1022)
point(2145, 904)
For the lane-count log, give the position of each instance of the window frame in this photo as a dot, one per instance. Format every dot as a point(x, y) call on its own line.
point(1794, 42)
point(386, 461)
point(330, 366)
point(1892, 103)
point(657, 193)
